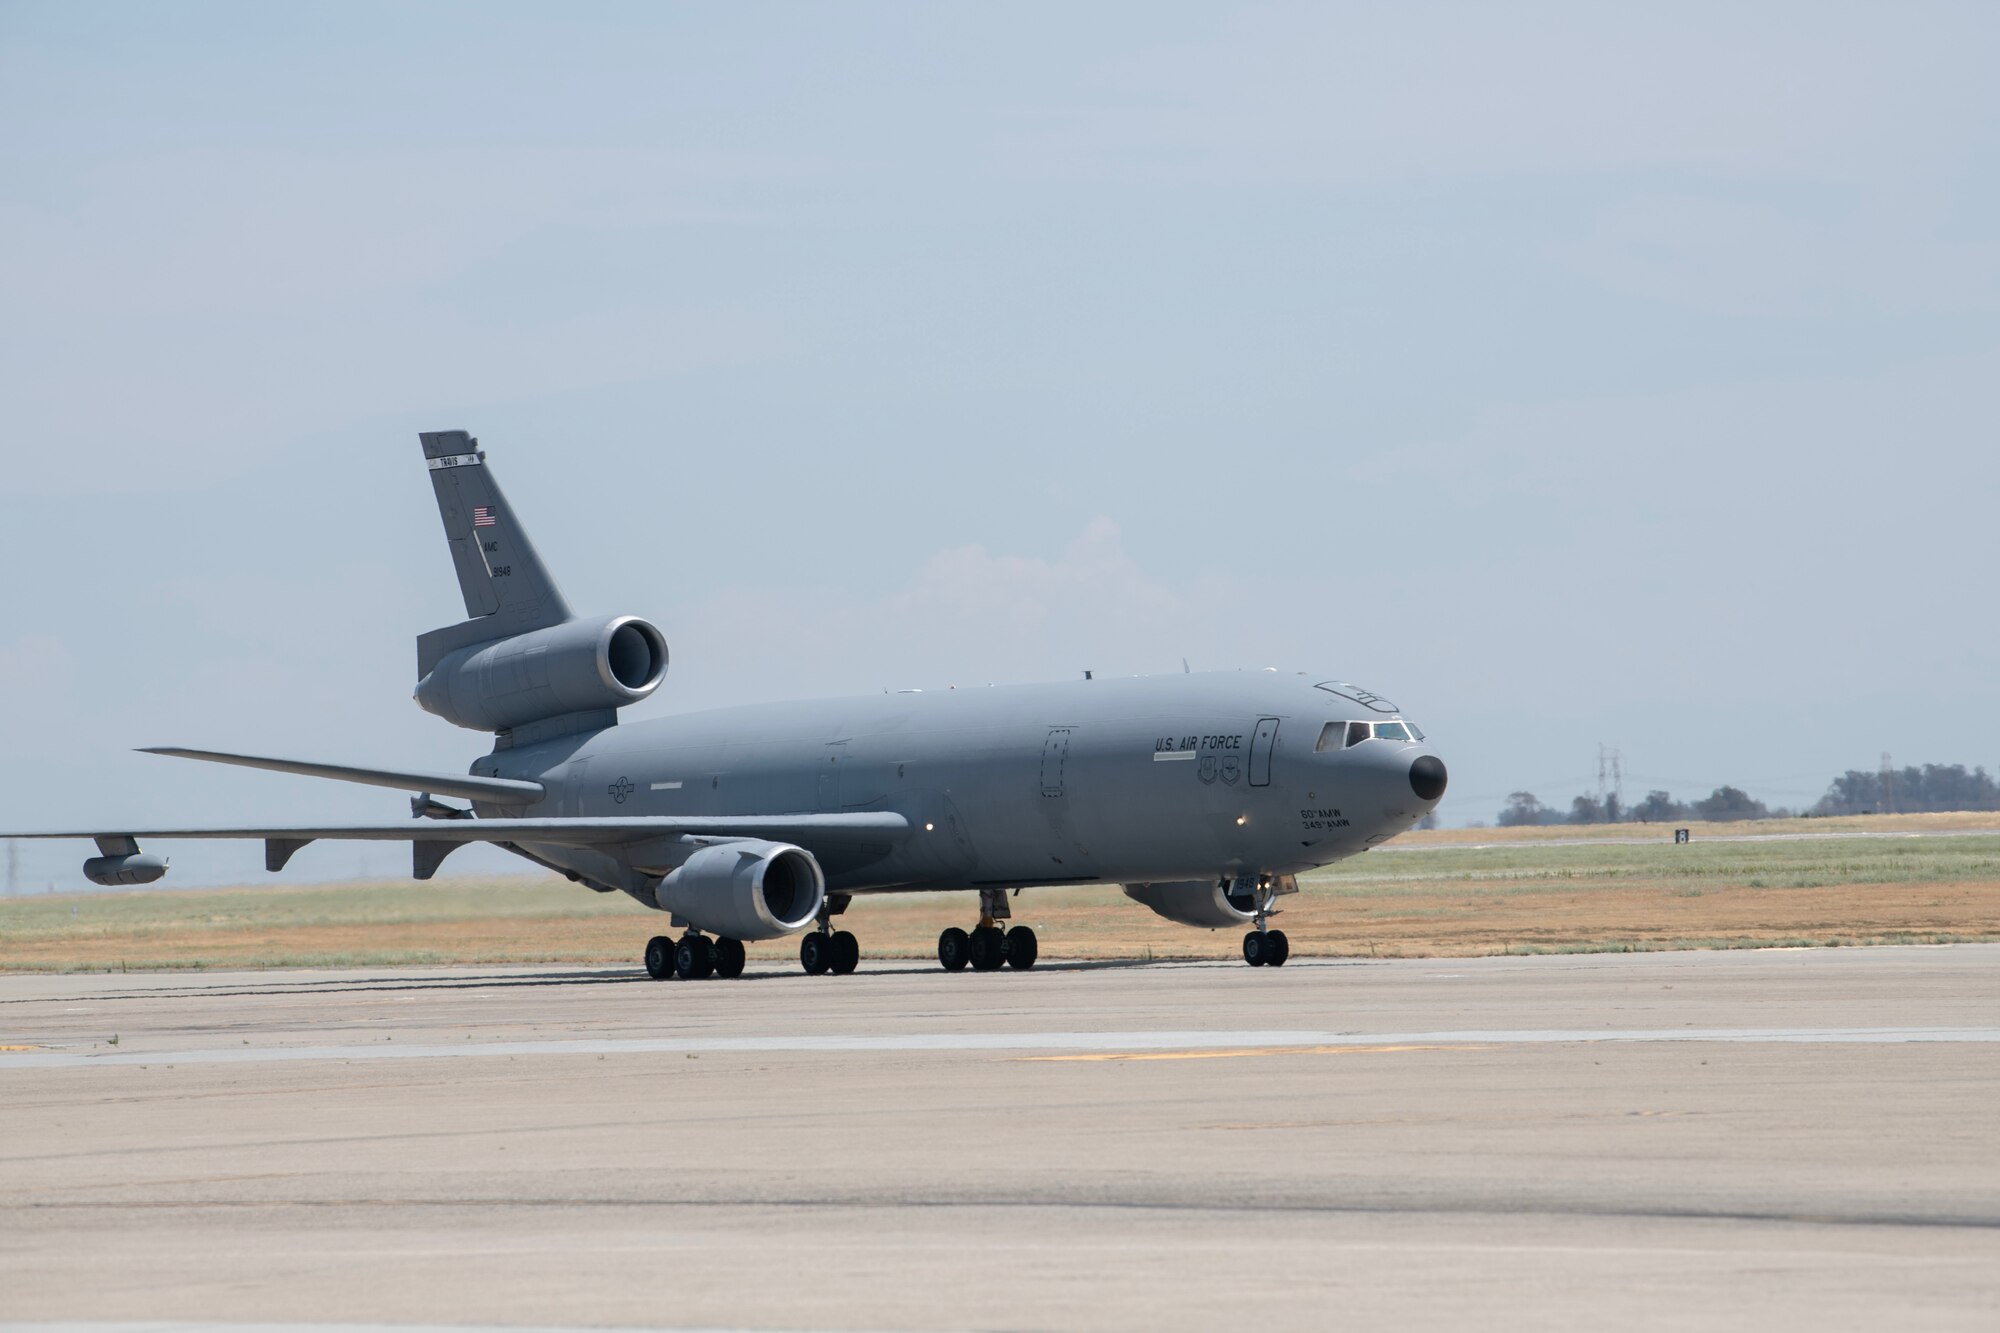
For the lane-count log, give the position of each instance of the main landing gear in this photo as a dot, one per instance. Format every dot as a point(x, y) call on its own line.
point(1264, 947)
point(824, 949)
point(987, 947)
point(693, 957)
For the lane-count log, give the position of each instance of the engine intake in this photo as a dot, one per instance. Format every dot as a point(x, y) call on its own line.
point(576, 666)
point(1198, 902)
point(747, 890)
point(1214, 903)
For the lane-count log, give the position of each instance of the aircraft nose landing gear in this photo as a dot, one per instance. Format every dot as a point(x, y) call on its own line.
point(1264, 947)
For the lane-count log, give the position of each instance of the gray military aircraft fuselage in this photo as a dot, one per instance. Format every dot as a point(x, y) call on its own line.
point(1204, 795)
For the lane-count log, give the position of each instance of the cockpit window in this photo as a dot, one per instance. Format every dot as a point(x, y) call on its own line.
point(1338, 735)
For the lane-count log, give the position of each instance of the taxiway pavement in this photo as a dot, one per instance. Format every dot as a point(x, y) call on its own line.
point(1652, 1140)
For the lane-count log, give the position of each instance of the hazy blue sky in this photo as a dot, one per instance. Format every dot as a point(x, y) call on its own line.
point(1570, 374)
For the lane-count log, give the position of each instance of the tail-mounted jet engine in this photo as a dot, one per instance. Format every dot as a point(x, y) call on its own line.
point(746, 889)
point(577, 666)
point(1214, 903)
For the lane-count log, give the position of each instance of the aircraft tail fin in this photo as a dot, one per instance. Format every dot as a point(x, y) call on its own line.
point(507, 589)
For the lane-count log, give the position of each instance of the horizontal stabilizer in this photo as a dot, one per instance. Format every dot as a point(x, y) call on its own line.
point(500, 791)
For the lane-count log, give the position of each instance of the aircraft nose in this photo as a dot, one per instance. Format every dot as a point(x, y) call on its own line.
point(1427, 777)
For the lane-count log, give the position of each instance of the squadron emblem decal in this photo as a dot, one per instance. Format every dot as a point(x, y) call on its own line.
point(1219, 756)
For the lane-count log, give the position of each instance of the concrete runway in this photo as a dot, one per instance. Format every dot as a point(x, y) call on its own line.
point(1631, 1141)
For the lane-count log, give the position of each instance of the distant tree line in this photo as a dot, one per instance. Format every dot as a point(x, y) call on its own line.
point(1930, 788)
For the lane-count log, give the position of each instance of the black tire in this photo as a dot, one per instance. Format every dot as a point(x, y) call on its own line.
point(954, 949)
point(659, 958)
point(694, 958)
point(729, 959)
point(815, 954)
point(846, 953)
point(1022, 948)
point(1276, 948)
point(1253, 948)
point(989, 949)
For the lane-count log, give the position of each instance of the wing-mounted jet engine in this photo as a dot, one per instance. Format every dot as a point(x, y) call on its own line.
point(1213, 903)
point(1219, 903)
point(745, 889)
point(521, 658)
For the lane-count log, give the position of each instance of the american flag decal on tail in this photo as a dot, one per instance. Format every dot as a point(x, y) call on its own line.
point(482, 517)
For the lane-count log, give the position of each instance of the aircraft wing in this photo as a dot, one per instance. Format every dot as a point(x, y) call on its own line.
point(434, 838)
point(863, 826)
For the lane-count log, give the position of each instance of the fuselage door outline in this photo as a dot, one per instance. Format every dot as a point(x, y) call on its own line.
point(1260, 751)
point(1055, 759)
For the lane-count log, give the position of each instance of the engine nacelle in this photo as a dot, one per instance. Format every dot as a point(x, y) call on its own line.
point(747, 890)
point(1199, 902)
point(568, 668)
point(131, 868)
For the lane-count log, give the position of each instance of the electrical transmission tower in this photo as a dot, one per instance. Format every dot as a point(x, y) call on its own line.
point(1610, 780)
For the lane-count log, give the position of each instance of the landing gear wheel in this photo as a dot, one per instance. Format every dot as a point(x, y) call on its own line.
point(989, 949)
point(1022, 948)
point(954, 949)
point(815, 954)
point(694, 958)
point(659, 958)
point(1254, 948)
point(844, 952)
point(1276, 948)
point(729, 959)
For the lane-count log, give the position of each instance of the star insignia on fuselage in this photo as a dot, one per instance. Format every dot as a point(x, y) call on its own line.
point(620, 789)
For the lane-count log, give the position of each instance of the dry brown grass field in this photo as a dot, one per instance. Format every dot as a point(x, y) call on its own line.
point(1885, 879)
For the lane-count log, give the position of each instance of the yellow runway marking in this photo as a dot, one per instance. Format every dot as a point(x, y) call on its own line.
point(20, 1048)
point(1232, 1055)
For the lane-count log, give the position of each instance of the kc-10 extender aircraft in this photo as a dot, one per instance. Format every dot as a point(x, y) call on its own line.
point(1203, 795)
